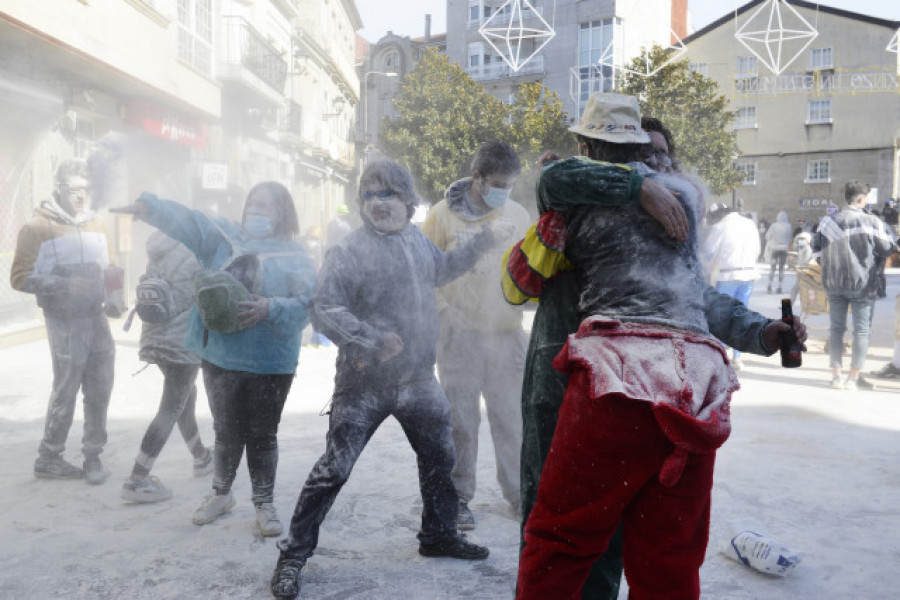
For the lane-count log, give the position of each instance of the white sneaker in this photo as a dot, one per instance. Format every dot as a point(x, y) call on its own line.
point(267, 520)
point(206, 465)
point(837, 383)
point(213, 507)
point(148, 489)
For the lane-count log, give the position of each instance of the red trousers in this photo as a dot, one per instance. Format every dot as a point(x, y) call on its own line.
point(603, 467)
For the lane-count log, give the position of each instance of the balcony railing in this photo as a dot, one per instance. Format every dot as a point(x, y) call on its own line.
point(527, 14)
point(499, 70)
point(246, 47)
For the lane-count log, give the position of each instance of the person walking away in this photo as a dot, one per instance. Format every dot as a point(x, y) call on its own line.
point(375, 301)
point(162, 344)
point(481, 349)
point(854, 246)
point(62, 257)
point(803, 247)
point(729, 249)
point(778, 239)
point(247, 373)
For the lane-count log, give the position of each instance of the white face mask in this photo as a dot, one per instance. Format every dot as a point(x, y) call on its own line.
point(386, 215)
point(496, 197)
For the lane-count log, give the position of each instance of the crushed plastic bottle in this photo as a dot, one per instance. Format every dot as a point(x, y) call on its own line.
point(750, 545)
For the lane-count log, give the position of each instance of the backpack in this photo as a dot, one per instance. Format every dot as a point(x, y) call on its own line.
point(155, 302)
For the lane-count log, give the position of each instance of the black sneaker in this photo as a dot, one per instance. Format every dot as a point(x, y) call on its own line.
point(286, 578)
point(864, 384)
point(465, 521)
point(56, 468)
point(888, 371)
point(454, 546)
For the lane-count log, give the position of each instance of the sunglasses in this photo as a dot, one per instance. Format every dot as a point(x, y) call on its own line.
point(380, 194)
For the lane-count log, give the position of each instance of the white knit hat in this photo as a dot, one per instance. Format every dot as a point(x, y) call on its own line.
point(613, 118)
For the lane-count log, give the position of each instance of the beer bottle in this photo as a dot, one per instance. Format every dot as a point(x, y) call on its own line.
point(791, 350)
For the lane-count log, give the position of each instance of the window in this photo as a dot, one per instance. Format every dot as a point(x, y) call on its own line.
point(597, 40)
point(747, 64)
point(821, 58)
point(476, 51)
point(700, 68)
point(473, 13)
point(745, 118)
point(818, 171)
point(391, 62)
point(749, 171)
point(819, 111)
point(195, 34)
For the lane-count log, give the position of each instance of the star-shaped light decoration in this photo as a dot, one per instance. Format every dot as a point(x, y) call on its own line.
point(776, 34)
point(894, 44)
point(675, 51)
point(508, 33)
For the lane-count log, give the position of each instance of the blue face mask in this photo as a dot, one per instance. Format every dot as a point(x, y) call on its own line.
point(258, 226)
point(496, 197)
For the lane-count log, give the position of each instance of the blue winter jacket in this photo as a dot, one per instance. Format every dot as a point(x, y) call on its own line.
point(272, 346)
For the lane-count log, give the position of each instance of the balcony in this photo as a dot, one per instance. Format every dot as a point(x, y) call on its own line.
point(248, 58)
point(500, 70)
point(527, 15)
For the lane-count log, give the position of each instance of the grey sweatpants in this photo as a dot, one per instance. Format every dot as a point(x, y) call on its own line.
point(472, 364)
point(83, 356)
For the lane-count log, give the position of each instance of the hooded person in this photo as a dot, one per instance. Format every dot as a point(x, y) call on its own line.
point(481, 351)
point(778, 240)
point(375, 300)
point(63, 257)
point(648, 388)
point(162, 344)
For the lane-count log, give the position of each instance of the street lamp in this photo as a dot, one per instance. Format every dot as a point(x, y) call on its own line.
point(366, 96)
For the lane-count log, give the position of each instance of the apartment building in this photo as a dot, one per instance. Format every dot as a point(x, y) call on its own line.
point(195, 100)
point(831, 115)
point(592, 40)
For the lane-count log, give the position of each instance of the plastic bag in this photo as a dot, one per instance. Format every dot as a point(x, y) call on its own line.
point(747, 543)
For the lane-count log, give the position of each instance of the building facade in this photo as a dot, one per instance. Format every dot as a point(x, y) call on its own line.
point(831, 115)
point(593, 40)
point(195, 100)
point(382, 71)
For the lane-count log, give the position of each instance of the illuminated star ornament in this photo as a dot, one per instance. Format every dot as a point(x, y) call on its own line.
point(507, 33)
point(776, 34)
point(894, 44)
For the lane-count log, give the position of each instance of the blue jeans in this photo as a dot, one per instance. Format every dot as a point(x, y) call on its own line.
point(739, 290)
point(862, 321)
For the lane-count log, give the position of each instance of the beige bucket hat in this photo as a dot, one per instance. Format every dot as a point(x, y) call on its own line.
point(613, 118)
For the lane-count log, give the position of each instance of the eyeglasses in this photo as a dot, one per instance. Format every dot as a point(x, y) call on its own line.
point(76, 189)
point(380, 194)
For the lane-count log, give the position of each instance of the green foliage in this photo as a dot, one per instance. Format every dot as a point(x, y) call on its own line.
point(692, 108)
point(443, 116)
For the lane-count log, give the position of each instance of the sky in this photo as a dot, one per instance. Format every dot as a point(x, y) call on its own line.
point(407, 17)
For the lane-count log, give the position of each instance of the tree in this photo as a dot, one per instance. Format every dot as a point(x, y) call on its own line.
point(691, 106)
point(443, 115)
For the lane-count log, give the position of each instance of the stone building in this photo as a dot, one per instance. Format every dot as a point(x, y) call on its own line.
point(831, 115)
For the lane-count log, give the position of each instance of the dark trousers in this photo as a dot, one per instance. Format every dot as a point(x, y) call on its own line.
point(177, 405)
point(424, 414)
point(246, 409)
